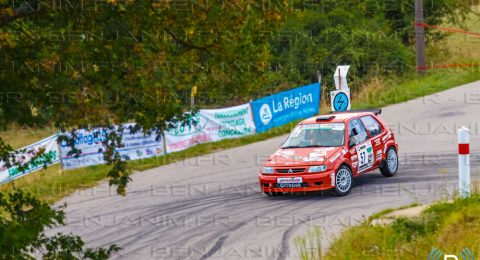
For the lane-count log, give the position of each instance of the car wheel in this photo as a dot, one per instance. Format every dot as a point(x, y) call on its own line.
point(273, 194)
point(389, 166)
point(343, 181)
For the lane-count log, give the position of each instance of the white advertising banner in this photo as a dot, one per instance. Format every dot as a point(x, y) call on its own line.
point(135, 146)
point(210, 125)
point(51, 150)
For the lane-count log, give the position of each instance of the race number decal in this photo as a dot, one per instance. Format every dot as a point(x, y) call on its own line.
point(365, 156)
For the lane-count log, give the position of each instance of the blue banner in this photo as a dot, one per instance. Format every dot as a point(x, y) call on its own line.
point(284, 107)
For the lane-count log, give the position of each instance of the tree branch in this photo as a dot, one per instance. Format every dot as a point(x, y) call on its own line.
point(24, 10)
point(190, 45)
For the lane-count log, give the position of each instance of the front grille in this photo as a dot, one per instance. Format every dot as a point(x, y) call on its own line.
point(291, 170)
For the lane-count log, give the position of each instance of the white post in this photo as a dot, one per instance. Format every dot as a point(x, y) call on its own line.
point(464, 161)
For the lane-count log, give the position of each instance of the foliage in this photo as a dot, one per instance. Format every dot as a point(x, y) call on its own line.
point(119, 171)
point(120, 61)
point(23, 219)
point(116, 61)
point(374, 37)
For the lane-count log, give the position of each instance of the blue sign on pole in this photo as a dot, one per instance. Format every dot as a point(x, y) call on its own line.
point(340, 102)
point(287, 106)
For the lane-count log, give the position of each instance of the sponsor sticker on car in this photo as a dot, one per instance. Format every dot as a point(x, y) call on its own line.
point(365, 156)
point(290, 180)
point(379, 155)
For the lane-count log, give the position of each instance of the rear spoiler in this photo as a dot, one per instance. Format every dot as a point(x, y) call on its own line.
point(375, 111)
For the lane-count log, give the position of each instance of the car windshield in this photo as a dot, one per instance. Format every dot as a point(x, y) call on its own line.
point(316, 135)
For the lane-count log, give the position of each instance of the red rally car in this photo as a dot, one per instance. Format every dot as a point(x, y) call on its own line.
point(326, 152)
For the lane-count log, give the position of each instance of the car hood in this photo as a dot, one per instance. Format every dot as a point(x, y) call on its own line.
point(303, 156)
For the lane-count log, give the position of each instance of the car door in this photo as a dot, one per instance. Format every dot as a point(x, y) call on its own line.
point(361, 150)
point(375, 131)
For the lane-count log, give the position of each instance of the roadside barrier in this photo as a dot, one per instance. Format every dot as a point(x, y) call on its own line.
point(134, 146)
point(25, 154)
point(208, 125)
point(464, 161)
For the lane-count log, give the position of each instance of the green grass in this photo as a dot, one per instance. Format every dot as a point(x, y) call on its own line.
point(382, 92)
point(448, 226)
point(310, 246)
point(19, 137)
point(459, 48)
point(386, 211)
point(52, 184)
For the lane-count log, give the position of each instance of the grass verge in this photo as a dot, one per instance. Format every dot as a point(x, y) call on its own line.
point(381, 92)
point(451, 227)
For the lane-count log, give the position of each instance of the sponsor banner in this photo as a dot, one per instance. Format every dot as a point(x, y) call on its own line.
point(209, 125)
point(134, 146)
point(51, 150)
point(284, 107)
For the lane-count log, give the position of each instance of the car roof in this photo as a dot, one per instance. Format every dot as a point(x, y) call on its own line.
point(335, 117)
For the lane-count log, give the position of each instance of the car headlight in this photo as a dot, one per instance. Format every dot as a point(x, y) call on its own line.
point(267, 170)
point(318, 168)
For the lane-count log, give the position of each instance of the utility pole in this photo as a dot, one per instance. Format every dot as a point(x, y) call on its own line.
point(322, 91)
point(193, 93)
point(420, 37)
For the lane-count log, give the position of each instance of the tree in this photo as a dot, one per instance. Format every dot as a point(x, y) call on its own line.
point(91, 64)
point(96, 64)
point(23, 220)
point(374, 37)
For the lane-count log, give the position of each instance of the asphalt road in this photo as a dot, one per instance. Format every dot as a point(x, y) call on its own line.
point(210, 207)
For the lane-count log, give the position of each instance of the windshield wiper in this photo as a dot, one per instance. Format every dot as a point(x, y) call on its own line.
point(292, 146)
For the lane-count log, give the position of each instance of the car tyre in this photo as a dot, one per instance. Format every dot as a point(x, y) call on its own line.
point(343, 181)
point(389, 167)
